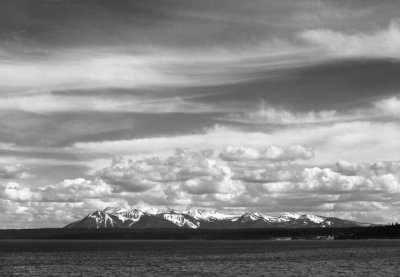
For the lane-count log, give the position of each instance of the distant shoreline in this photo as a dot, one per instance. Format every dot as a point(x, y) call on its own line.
point(372, 232)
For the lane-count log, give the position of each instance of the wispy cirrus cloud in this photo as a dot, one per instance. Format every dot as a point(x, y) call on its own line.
point(85, 70)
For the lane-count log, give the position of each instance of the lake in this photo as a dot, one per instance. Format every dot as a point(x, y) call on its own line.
point(199, 258)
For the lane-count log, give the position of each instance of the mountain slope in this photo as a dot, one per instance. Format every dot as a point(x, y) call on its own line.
point(167, 218)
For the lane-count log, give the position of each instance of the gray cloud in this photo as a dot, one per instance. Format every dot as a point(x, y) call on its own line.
point(196, 172)
point(14, 171)
point(381, 43)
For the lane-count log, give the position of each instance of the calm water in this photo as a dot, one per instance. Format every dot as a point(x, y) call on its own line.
point(200, 258)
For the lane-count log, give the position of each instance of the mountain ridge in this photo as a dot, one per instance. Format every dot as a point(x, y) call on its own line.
point(139, 218)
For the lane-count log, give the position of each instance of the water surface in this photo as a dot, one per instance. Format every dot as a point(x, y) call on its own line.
point(199, 258)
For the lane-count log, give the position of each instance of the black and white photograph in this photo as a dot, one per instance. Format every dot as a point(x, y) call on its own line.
point(199, 138)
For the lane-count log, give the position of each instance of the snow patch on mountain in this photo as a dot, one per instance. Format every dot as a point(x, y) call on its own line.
point(181, 221)
point(101, 218)
point(203, 214)
point(315, 218)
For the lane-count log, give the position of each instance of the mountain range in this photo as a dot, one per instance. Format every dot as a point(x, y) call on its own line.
point(140, 218)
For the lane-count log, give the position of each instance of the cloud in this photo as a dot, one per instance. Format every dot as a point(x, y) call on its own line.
point(14, 171)
point(353, 141)
point(207, 178)
point(82, 70)
point(128, 177)
point(268, 114)
point(234, 153)
point(383, 167)
point(153, 69)
point(278, 115)
point(271, 173)
point(364, 177)
point(75, 190)
point(48, 102)
point(348, 168)
point(13, 191)
point(381, 43)
point(328, 181)
point(389, 106)
point(272, 152)
point(197, 172)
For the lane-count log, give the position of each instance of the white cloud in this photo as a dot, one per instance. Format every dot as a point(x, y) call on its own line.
point(278, 115)
point(267, 174)
point(84, 70)
point(138, 68)
point(46, 102)
point(196, 172)
point(272, 152)
point(233, 153)
point(328, 181)
point(74, 190)
point(13, 191)
point(381, 43)
point(268, 114)
point(388, 106)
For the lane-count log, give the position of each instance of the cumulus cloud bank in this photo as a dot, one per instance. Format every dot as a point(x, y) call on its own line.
point(231, 179)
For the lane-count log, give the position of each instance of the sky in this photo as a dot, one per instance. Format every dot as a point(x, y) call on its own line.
point(273, 106)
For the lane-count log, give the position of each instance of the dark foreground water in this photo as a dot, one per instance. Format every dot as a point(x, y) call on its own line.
point(199, 258)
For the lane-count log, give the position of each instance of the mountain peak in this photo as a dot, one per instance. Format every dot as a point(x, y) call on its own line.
point(292, 215)
point(209, 215)
point(114, 210)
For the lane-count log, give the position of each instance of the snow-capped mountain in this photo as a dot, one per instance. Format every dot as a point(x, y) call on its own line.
point(113, 217)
